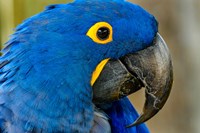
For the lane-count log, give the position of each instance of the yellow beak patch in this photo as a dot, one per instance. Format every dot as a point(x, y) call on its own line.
point(98, 70)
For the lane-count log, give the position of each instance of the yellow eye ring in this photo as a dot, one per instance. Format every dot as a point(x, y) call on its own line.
point(101, 33)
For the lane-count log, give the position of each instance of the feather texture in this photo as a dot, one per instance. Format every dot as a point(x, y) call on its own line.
point(122, 114)
point(46, 66)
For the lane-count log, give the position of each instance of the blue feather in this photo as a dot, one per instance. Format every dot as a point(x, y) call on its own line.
point(47, 64)
point(122, 114)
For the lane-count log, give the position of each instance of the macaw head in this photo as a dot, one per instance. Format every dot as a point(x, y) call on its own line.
point(61, 47)
point(111, 28)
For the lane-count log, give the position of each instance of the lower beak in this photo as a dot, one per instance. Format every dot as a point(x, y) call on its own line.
point(150, 68)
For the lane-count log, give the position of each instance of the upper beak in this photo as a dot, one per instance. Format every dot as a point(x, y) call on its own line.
point(150, 68)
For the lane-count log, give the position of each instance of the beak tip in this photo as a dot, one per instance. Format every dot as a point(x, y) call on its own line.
point(138, 121)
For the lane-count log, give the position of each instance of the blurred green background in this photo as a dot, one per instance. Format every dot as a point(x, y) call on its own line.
point(179, 22)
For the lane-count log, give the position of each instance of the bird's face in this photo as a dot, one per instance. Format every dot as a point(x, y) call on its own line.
point(112, 29)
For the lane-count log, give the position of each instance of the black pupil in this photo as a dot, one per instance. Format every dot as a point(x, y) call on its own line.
point(103, 33)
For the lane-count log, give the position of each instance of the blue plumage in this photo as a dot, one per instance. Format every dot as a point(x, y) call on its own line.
point(47, 64)
point(122, 114)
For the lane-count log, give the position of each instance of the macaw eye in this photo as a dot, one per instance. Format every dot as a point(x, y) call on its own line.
point(101, 33)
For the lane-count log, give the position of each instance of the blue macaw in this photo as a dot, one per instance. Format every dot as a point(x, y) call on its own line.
point(70, 68)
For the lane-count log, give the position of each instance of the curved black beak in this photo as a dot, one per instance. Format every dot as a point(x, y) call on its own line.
point(150, 68)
